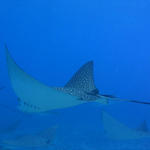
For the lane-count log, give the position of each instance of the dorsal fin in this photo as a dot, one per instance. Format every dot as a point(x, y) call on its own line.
point(83, 79)
point(143, 127)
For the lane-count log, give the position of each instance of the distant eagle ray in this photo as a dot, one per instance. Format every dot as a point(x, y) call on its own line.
point(116, 130)
point(34, 96)
point(44, 138)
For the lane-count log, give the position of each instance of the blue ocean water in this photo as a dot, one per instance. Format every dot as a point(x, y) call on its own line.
point(50, 40)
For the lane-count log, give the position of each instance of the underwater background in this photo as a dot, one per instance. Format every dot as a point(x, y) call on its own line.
point(51, 39)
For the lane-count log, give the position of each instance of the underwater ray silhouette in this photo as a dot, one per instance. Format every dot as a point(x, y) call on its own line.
point(37, 140)
point(114, 129)
point(34, 96)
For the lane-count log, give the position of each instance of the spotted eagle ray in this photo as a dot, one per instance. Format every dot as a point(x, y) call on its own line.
point(37, 140)
point(114, 129)
point(34, 96)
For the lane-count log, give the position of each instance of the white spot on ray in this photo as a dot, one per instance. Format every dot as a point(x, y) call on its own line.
point(118, 131)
